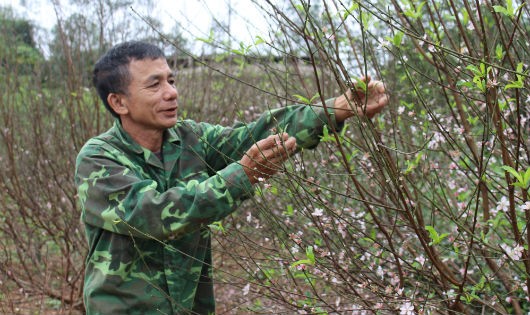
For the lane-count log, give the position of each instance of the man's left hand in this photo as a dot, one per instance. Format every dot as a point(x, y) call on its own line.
point(363, 102)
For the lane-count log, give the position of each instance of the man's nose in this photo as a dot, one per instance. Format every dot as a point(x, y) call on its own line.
point(170, 92)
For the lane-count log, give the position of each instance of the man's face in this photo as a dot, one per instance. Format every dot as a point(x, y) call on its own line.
point(151, 101)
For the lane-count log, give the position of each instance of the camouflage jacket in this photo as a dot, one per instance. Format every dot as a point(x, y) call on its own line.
point(146, 221)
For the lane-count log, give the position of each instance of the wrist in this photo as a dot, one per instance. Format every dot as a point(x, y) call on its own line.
point(341, 109)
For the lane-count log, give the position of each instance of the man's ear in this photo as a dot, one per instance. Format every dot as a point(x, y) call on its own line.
point(117, 103)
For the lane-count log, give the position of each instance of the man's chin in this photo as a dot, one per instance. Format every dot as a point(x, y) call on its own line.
point(170, 123)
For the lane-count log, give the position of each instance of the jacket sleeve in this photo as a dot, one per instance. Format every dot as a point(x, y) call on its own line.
point(113, 198)
point(305, 123)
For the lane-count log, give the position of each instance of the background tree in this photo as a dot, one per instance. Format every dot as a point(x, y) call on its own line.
point(18, 49)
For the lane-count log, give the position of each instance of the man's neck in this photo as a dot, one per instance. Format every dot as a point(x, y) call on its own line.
point(150, 139)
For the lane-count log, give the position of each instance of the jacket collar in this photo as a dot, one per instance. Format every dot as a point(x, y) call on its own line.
point(172, 135)
point(118, 134)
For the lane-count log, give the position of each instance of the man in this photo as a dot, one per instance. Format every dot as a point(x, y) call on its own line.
point(149, 187)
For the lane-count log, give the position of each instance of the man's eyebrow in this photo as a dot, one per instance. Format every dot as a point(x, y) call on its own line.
point(154, 77)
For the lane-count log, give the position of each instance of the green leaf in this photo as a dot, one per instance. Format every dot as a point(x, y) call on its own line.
point(218, 226)
point(465, 16)
point(472, 120)
point(348, 12)
point(526, 176)
point(499, 52)
point(508, 10)
point(310, 258)
point(436, 238)
point(519, 83)
point(465, 84)
point(259, 40)
point(208, 40)
point(300, 7)
point(310, 255)
point(305, 100)
point(512, 171)
point(415, 13)
point(360, 84)
point(300, 262)
point(514, 85)
point(398, 37)
point(500, 9)
point(474, 69)
point(302, 99)
point(523, 177)
point(289, 211)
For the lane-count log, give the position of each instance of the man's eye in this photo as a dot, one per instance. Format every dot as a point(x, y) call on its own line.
point(154, 84)
point(171, 81)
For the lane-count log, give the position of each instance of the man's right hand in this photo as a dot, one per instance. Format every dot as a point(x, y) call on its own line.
point(265, 158)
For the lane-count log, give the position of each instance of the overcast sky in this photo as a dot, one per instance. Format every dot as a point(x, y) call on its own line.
point(193, 15)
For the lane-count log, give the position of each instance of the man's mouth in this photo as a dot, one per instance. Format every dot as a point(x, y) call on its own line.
point(170, 110)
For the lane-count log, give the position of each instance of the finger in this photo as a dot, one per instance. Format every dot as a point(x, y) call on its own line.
point(277, 157)
point(259, 148)
point(274, 152)
point(268, 142)
point(278, 154)
point(376, 87)
point(273, 141)
point(290, 145)
point(287, 143)
point(373, 109)
point(383, 100)
point(359, 94)
point(270, 167)
point(380, 87)
point(274, 158)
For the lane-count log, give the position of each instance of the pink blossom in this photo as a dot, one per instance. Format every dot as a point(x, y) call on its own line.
point(503, 204)
point(406, 309)
point(301, 267)
point(246, 289)
point(421, 260)
point(514, 253)
point(318, 212)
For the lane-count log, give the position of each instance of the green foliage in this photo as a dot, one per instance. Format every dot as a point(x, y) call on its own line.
point(18, 51)
point(310, 260)
point(218, 226)
point(289, 210)
point(304, 100)
point(519, 83)
point(413, 164)
point(414, 11)
point(435, 237)
point(499, 52)
point(509, 10)
point(208, 40)
point(347, 12)
point(522, 177)
point(480, 76)
point(397, 39)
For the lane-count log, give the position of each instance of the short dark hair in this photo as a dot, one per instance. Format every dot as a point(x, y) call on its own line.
point(111, 72)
